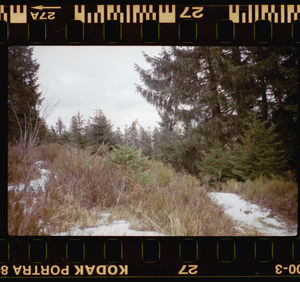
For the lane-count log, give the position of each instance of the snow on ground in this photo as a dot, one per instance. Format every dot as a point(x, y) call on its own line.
point(103, 228)
point(37, 184)
point(116, 228)
point(249, 215)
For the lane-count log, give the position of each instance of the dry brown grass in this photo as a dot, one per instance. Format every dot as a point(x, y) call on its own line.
point(277, 194)
point(20, 165)
point(176, 205)
point(82, 185)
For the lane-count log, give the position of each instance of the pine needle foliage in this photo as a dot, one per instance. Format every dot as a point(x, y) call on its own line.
point(260, 152)
point(128, 157)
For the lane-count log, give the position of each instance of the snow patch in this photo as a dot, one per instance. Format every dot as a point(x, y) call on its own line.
point(249, 215)
point(36, 185)
point(116, 228)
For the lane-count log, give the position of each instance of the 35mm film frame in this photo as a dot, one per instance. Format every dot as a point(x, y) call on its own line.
point(265, 24)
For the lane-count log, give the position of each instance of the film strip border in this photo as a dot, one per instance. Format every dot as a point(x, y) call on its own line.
point(158, 25)
point(136, 257)
point(276, 24)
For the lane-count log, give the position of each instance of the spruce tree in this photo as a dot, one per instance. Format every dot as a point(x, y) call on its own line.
point(260, 151)
point(62, 134)
point(60, 128)
point(24, 121)
point(207, 92)
point(77, 130)
point(131, 135)
point(99, 130)
point(119, 139)
point(145, 141)
point(183, 84)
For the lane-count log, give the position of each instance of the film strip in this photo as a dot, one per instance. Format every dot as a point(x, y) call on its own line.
point(109, 24)
point(131, 24)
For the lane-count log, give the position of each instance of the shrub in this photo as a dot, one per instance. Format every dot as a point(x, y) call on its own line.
point(126, 156)
point(216, 165)
point(260, 152)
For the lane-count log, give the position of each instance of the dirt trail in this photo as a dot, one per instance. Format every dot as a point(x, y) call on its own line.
point(251, 218)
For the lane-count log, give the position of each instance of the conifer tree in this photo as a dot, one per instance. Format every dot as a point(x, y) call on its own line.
point(24, 122)
point(167, 144)
point(99, 130)
point(60, 128)
point(260, 152)
point(118, 136)
point(131, 135)
point(145, 141)
point(52, 135)
point(77, 130)
point(62, 135)
point(183, 84)
point(207, 92)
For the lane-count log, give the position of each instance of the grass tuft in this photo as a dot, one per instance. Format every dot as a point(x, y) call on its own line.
point(277, 194)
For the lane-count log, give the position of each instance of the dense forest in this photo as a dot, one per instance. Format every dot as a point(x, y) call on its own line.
point(227, 114)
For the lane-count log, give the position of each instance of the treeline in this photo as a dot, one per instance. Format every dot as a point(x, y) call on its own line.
point(226, 112)
point(97, 132)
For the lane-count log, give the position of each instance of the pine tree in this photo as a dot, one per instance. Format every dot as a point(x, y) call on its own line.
point(183, 84)
point(145, 141)
point(131, 135)
point(118, 136)
point(99, 130)
point(62, 135)
point(60, 128)
point(126, 156)
point(52, 135)
point(216, 164)
point(77, 130)
point(260, 152)
point(167, 143)
point(206, 93)
point(24, 122)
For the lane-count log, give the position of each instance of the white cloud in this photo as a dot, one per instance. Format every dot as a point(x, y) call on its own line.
point(85, 78)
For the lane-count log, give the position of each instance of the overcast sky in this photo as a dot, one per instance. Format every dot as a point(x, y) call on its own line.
point(86, 78)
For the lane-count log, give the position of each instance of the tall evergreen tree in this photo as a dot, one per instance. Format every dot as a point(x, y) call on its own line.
point(62, 135)
point(99, 130)
point(183, 83)
point(167, 143)
point(207, 92)
point(24, 98)
point(145, 141)
point(77, 130)
point(267, 82)
point(60, 128)
point(131, 135)
point(118, 136)
point(52, 135)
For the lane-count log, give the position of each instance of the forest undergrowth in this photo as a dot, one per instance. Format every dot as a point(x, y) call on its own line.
point(81, 185)
point(148, 194)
